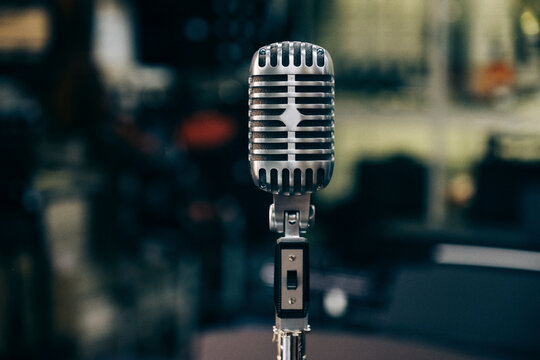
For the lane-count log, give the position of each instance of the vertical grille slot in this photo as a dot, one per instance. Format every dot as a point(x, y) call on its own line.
point(273, 55)
point(285, 54)
point(297, 180)
point(309, 55)
point(309, 180)
point(285, 180)
point(320, 177)
point(262, 178)
point(274, 180)
point(262, 57)
point(320, 57)
point(297, 53)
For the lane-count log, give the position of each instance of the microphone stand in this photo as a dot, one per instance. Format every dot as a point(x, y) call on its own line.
point(291, 216)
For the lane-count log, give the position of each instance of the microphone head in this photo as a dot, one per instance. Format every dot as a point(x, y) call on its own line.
point(291, 118)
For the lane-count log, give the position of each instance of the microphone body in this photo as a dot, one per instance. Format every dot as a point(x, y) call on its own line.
point(291, 155)
point(291, 118)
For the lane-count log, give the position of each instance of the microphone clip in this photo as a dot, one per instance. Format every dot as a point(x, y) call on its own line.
point(291, 215)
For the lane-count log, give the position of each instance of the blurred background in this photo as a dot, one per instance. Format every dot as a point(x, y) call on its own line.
point(130, 227)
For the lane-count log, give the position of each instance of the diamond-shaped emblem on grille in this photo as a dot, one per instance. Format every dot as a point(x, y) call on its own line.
point(291, 117)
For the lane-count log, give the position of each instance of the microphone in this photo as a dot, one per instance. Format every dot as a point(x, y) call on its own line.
point(291, 155)
point(291, 118)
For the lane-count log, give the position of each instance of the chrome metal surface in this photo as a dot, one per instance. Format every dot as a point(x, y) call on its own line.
point(291, 118)
point(297, 204)
point(291, 345)
point(292, 324)
point(292, 299)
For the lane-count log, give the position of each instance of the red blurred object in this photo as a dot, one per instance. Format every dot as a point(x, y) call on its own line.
point(206, 130)
point(494, 78)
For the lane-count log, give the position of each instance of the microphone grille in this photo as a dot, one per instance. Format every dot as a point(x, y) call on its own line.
point(291, 118)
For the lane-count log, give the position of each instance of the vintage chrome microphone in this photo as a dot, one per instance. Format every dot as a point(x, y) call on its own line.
point(291, 154)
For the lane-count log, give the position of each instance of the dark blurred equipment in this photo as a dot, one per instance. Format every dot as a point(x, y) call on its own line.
point(385, 190)
point(392, 188)
point(493, 309)
point(45, 45)
point(20, 124)
point(46, 87)
point(25, 313)
point(508, 185)
point(206, 33)
point(291, 154)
